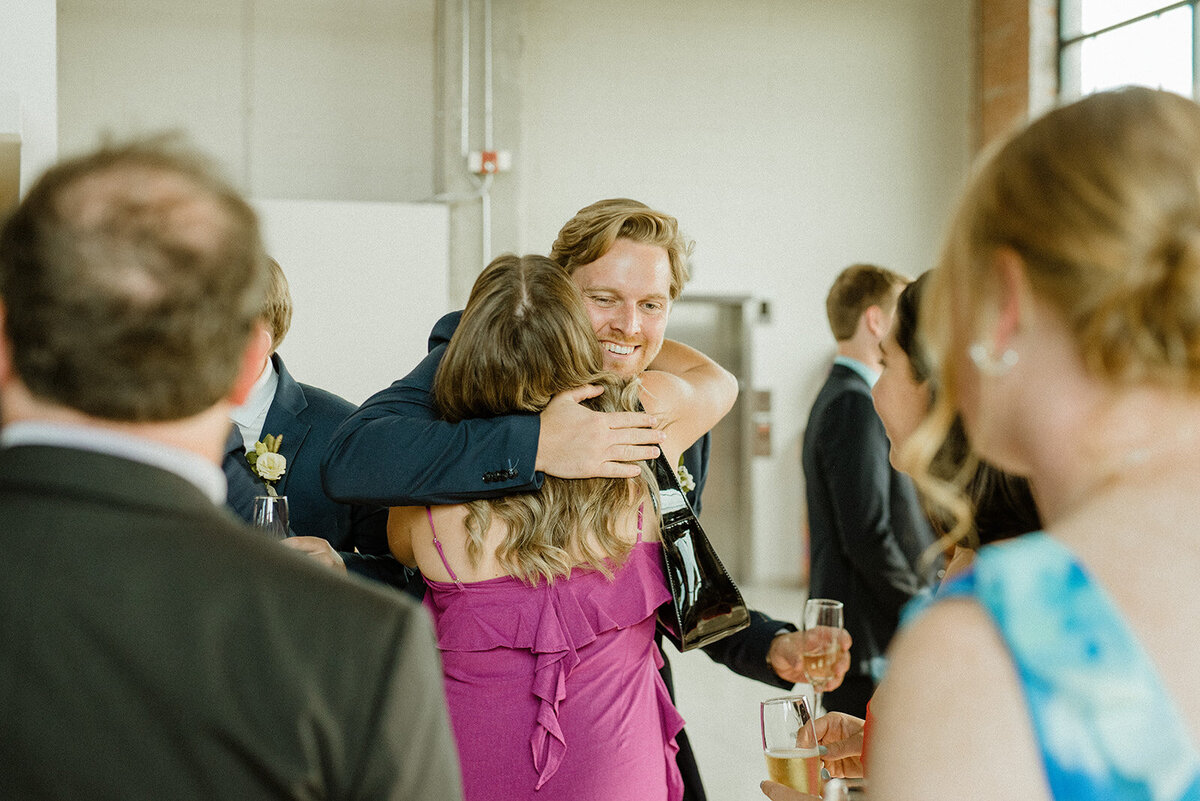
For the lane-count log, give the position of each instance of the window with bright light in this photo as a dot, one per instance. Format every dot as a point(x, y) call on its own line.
point(1109, 43)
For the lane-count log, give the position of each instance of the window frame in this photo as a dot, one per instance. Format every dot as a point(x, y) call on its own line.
point(1065, 42)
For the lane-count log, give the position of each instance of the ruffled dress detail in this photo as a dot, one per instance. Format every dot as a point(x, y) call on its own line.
point(571, 668)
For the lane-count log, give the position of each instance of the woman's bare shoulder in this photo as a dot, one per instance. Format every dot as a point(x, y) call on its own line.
point(951, 717)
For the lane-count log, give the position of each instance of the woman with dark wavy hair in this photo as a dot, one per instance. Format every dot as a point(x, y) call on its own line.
point(998, 505)
point(545, 602)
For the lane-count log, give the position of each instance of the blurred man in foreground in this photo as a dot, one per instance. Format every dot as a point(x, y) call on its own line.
point(153, 646)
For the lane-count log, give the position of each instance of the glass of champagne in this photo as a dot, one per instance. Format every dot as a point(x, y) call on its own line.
point(790, 743)
point(271, 515)
point(822, 631)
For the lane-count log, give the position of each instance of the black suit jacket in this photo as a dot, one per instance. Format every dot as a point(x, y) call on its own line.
point(867, 532)
point(153, 646)
point(306, 417)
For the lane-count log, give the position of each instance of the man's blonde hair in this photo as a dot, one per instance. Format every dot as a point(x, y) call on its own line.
point(277, 307)
point(592, 231)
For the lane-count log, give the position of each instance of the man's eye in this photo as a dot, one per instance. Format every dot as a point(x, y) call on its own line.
point(652, 307)
point(601, 300)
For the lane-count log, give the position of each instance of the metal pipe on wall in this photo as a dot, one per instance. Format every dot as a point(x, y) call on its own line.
point(482, 185)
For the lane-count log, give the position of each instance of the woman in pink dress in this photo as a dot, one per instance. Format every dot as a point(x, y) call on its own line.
point(544, 603)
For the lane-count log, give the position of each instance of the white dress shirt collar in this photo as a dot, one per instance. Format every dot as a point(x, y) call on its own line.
point(868, 375)
point(251, 416)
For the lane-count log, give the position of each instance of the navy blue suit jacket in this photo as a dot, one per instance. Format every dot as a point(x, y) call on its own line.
point(306, 417)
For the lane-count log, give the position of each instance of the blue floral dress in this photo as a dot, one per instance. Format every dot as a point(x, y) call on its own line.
point(1105, 725)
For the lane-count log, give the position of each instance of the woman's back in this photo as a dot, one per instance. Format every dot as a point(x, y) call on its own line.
point(553, 688)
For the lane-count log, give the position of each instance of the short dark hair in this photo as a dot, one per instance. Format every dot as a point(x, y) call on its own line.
point(131, 278)
point(856, 289)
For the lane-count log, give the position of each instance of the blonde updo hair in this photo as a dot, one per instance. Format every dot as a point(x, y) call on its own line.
point(1101, 200)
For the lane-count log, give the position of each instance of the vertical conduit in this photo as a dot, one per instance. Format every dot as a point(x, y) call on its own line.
point(247, 95)
point(464, 95)
point(482, 185)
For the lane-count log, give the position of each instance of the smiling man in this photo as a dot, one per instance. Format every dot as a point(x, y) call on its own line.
point(630, 264)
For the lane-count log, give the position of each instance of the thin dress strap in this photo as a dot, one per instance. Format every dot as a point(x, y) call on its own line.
point(437, 544)
point(640, 507)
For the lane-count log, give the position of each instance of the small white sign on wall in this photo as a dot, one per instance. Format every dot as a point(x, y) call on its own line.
point(368, 281)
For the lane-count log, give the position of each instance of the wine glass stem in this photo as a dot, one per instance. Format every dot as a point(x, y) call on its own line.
point(818, 710)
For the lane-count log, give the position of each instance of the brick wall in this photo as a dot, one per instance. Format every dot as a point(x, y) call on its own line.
point(1016, 54)
point(1002, 67)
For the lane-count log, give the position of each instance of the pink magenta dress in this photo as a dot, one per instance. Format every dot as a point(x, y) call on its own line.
point(554, 690)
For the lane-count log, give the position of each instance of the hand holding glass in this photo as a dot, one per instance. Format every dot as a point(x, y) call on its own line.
point(790, 743)
point(822, 628)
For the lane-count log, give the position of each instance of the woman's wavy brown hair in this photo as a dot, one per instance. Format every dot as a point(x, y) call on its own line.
point(525, 337)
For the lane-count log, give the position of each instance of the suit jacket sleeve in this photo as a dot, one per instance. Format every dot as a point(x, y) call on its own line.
point(409, 751)
point(396, 451)
point(745, 652)
point(858, 471)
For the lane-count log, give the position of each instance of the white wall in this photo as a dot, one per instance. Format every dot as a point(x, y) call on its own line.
point(28, 86)
point(368, 281)
point(790, 137)
point(297, 98)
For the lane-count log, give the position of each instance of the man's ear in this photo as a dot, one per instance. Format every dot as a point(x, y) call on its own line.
point(876, 321)
point(254, 359)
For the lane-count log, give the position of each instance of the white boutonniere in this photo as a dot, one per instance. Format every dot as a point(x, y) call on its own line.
point(686, 482)
point(268, 463)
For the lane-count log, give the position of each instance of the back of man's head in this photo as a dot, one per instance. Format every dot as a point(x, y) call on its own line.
point(591, 232)
point(856, 289)
point(130, 280)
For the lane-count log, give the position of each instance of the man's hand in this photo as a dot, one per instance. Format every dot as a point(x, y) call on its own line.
point(779, 792)
point(786, 657)
point(576, 442)
point(318, 549)
point(842, 737)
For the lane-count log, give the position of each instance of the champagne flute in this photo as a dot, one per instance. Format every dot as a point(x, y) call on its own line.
point(790, 743)
point(271, 515)
point(822, 630)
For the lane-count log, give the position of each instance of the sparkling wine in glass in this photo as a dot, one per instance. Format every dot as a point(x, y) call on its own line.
point(790, 743)
point(822, 631)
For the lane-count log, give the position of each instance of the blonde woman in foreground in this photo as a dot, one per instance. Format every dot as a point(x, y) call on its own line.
point(1068, 321)
point(544, 603)
point(1066, 311)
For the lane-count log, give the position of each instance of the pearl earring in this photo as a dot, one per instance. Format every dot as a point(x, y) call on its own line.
point(988, 364)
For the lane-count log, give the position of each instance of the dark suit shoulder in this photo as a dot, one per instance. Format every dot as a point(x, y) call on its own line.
point(444, 329)
point(326, 404)
point(844, 397)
